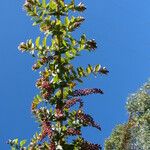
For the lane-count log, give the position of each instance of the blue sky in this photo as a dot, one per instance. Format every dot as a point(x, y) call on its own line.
point(122, 31)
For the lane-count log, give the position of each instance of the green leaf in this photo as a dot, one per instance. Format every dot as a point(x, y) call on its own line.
point(23, 142)
point(37, 21)
point(83, 38)
point(44, 3)
point(66, 92)
point(35, 10)
point(45, 41)
point(52, 5)
point(73, 42)
point(82, 42)
point(37, 41)
point(68, 54)
point(97, 68)
point(74, 52)
point(81, 72)
point(39, 98)
point(30, 42)
point(56, 79)
point(62, 3)
point(67, 21)
point(15, 141)
point(88, 70)
point(36, 101)
point(42, 26)
point(64, 43)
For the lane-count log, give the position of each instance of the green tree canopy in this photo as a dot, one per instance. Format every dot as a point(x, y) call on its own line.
point(135, 134)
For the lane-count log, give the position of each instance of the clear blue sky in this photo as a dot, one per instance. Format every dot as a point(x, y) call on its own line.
point(122, 31)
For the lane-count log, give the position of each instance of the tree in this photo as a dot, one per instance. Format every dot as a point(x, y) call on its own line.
point(135, 134)
point(53, 106)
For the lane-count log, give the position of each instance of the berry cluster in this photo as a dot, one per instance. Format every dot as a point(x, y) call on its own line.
point(59, 113)
point(45, 86)
point(43, 83)
point(72, 131)
point(87, 92)
point(91, 44)
point(89, 146)
point(87, 120)
point(52, 146)
point(103, 70)
point(72, 102)
point(46, 95)
point(80, 7)
point(28, 4)
point(46, 130)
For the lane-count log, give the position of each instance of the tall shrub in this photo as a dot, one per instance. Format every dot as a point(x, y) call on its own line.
point(53, 107)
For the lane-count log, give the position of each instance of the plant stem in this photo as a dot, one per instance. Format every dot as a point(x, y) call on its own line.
point(59, 102)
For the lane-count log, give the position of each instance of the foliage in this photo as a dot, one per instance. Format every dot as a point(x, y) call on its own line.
point(58, 77)
point(135, 134)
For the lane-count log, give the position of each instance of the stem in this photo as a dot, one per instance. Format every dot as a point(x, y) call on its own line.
point(59, 102)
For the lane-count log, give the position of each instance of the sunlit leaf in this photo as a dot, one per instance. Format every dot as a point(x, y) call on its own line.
point(23, 142)
point(52, 5)
point(44, 3)
point(37, 41)
point(66, 21)
point(44, 41)
point(97, 68)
